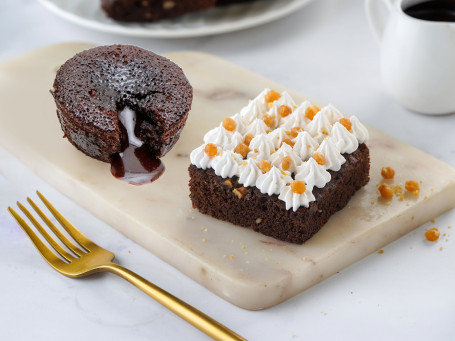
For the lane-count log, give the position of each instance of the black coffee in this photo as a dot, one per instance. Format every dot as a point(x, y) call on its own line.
point(434, 10)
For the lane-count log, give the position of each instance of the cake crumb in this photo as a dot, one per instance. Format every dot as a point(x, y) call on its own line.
point(441, 248)
point(243, 247)
point(433, 221)
point(204, 240)
point(381, 251)
point(304, 258)
point(449, 227)
point(388, 202)
point(185, 246)
point(258, 220)
point(231, 256)
point(266, 259)
point(372, 202)
point(432, 234)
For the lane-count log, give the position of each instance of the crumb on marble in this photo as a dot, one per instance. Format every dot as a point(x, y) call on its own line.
point(372, 202)
point(245, 253)
point(381, 251)
point(231, 256)
point(441, 248)
point(433, 221)
point(204, 240)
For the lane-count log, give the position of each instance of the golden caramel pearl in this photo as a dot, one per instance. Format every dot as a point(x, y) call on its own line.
point(387, 172)
point(269, 120)
point(272, 96)
point(298, 187)
point(288, 141)
point(346, 122)
point(264, 166)
point(284, 110)
point(286, 163)
point(411, 186)
point(312, 111)
point(319, 158)
point(242, 149)
point(295, 131)
point(386, 191)
point(247, 139)
point(210, 149)
point(229, 124)
point(432, 234)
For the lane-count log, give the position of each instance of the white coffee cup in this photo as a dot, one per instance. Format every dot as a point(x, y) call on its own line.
point(417, 56)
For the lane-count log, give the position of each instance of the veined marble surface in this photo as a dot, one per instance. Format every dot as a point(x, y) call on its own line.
point(401, 293)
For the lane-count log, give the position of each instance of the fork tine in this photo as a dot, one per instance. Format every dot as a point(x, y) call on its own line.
point(47, 253)
point(68, 243)
point(61, 251)
point(77, 235)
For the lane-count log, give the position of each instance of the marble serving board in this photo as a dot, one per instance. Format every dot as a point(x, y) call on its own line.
point(247, 269)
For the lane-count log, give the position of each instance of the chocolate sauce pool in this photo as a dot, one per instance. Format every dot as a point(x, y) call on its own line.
point(434, 10)
point(135, 164)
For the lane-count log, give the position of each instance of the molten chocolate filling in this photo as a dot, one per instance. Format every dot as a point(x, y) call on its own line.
point(135, 164)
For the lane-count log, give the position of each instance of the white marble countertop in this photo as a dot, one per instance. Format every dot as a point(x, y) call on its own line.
point(324, 51)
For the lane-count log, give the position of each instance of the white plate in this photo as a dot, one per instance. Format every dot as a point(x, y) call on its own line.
point(88, 13)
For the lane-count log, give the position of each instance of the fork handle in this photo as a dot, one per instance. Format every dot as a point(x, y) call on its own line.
point(197, 318)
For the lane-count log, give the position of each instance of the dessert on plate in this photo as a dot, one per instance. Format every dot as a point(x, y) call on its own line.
point(154, 10)
point(280, 168)
point(122, 104)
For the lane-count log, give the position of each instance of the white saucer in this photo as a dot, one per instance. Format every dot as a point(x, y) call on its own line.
point(218, 20)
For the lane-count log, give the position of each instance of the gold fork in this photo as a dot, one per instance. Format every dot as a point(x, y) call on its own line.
point(89, 258)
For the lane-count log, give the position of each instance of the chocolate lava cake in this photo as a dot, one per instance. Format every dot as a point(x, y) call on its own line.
point(92, 88)
point(278, 168)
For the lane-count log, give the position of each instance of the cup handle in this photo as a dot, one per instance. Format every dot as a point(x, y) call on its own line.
point(377, 12)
